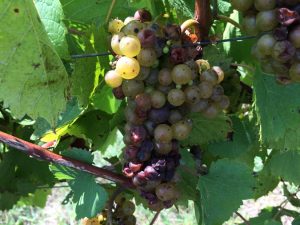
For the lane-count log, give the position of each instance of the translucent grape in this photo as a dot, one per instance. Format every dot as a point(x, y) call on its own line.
point(176, 97)
point(163, 133)
point(115, 43)
point(127, 67)
point(164, 77)
point(113, 79)
point(130, 46)
point(181, 74)
point(115, 26)
point(181, 130)
point(158, 99)
point(206, 89)
point(131, 88)
point(147, 57)
point(132, 28)
point(192, 94)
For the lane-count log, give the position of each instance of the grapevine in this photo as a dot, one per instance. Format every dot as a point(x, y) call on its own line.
point(142, 112)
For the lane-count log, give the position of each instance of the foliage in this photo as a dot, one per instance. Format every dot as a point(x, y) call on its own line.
point(48, 96)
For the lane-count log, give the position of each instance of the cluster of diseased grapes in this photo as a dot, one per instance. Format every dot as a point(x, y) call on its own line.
point(156, 71)
point(122, 214)
point(278, 49)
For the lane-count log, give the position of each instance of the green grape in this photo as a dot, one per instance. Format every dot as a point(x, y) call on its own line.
point(129, 19)
point(158, 99)
point(166, 191)
point(132, 88)
point(163, 148)
point(211, 111)
point(181, 130)
point(294, 36)
point(257, 54)
point(147, 57)
point(163, 133)
point(202, 65)
point(295, 72)
point(164, 77)
point(127, 67)
point(266, 66)
point(263, 5)
point(199, 106)
point(242, 5)
point(175, 116)
point(249, 25)
point(266, 20)
point(192, 94)
point(143, 74)
point(115, 26)
point(265, 44)
point(113, 79)
point(209, 76)
point(133, 27)
point(218, 92)
point(181, 74)
point(206, 89)
point(115, 43)
point(219, 72)
point(176, 97)
point(224, 102)
point(130, 46)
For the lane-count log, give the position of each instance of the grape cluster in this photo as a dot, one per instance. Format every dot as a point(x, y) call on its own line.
point(122, 214)
point(156, 71)
point(278, 49)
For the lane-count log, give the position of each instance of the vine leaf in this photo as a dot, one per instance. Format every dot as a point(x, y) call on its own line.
point(286, 165)
point(112, 147)
point(84, 78)
point(277, 108)
point(207, 130)
point(89, 197)
point(223, 189)
point(33, 79)
point(51, 14)
point(242, 141)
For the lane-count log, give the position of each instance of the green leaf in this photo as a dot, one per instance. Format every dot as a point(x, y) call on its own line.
point(90, 197)
point(38, 198)
point(223, 190)
point(95, 11)
point(113, 145)
point(84, 79)
point(208, 130)
point(240, 144)
point(216, 57)
point(33, 78)
point(286, 165)
point(7, 200)
point(224, 7)
point(51, 14)
point(67, 173)
point(277, 108)
point(183, 7)
point(265, 217)
point(187, 184)
point(296, 221)
point(104, 100)
point(92, 126)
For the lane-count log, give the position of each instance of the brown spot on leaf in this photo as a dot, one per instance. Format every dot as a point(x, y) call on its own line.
point(16, 10)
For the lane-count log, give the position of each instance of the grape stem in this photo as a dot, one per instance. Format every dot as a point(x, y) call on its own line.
point(228, 20)
point(154, 218)
point(243, 218)
point(44, 154)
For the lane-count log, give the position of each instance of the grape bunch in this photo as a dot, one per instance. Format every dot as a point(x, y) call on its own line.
point(278, 49)
point(156, 72)
point(122, 214)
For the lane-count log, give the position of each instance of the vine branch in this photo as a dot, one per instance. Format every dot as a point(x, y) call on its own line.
point(204, 17)
point(154, 218)
point(243, 218)
point(44, 154)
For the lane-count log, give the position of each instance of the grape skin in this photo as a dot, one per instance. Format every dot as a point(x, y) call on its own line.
point(113, 79)
point(127, 67)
